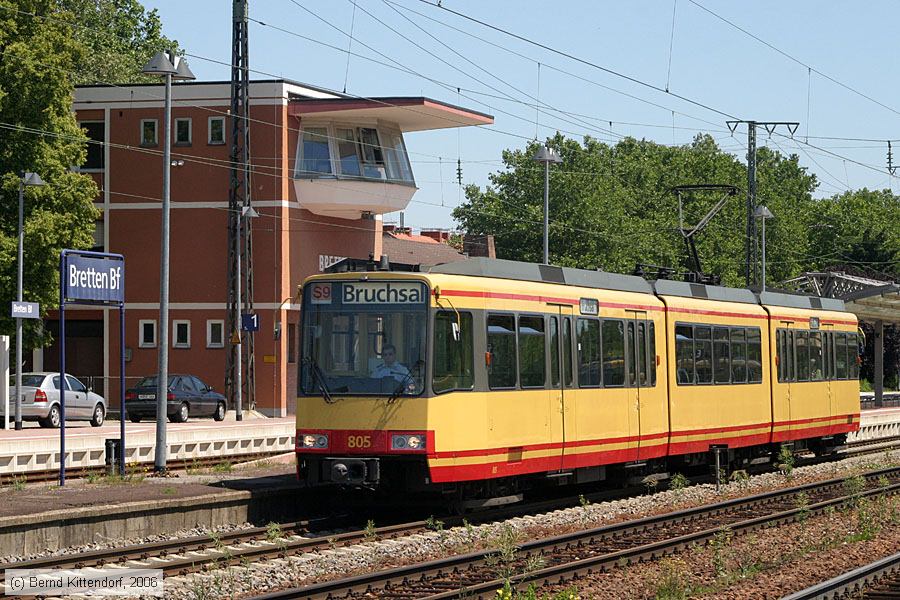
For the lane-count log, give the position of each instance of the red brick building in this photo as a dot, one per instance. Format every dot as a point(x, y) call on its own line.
point(325, 168)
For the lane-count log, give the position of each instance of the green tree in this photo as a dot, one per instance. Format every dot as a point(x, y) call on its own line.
point(120, 37)
point(612, 207)
point(38, 133)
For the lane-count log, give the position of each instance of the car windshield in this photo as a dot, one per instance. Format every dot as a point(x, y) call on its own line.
point(364, 338)
point(28, 380)
point(151, 381)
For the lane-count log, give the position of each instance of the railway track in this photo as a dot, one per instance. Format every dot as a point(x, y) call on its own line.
point(561, 558)
point(879, 580)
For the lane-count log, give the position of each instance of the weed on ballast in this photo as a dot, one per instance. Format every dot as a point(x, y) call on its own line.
point(274, 532)
point(785, 462)
point(369, 533)
point(434, 524)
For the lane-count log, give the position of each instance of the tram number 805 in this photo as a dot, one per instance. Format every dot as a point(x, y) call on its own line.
point(359, 441)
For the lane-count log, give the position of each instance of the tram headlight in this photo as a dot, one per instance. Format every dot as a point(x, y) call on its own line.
point(309, 440)
point(407, 442)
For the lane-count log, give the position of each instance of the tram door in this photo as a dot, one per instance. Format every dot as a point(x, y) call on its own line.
point(638, 370)
point(562, 378)
point(788, 371)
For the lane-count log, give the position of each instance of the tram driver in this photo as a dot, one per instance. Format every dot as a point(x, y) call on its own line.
point(390, 367)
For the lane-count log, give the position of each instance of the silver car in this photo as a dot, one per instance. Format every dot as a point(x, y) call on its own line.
point(40, 400)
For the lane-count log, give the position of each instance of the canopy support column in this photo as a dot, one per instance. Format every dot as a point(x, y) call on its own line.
point(879, 363)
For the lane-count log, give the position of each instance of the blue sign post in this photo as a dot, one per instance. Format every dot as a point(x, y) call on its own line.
point(96, 278)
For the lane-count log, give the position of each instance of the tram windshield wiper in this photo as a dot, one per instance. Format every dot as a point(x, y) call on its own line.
point(406, 380)
point(319, 378)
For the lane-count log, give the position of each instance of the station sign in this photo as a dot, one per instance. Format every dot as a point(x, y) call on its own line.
point(93, 278)
point(589, 306)
point(26, 310)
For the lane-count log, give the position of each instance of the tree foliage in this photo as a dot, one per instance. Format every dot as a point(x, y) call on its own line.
point(120, 36)
point(38, 133)
point(611, 206)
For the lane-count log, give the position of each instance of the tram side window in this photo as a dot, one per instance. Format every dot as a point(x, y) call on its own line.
point(532, 361)
point(840, 353)
point(630, 352)
point(828, 353)
point(652, 354)
point(587, 332)
point(801, 339)
point(613, 353)
point(453, 355)
point(739, 355)
point(501, 347)
point(703, 353)
point(684, 354)
point(779, 354)
point(554, 352)
point(853, 355)
point(643, 375)
point(568, 372)
point(721, 355)
point(754, 355)
point(815, 356)
point(790, 356)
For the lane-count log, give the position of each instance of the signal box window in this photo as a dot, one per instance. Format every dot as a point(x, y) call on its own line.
point(148, 132)
point(373, 157)
point(453, 352)
point(216, 135)
point(587, 332)
point(613, 353)
point(501, 340)
point(532, 349)
point(314, 154)
point(292, 343)
point(348, 156)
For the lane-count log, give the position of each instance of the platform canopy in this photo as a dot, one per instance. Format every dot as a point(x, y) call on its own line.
point(410, 114)
point(869, 299)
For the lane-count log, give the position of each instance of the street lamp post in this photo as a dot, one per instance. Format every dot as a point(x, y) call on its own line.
point(546, 155)
point(30, 179)
point(764, 214)
point(165, 64)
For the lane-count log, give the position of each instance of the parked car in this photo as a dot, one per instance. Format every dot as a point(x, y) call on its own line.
point(40, 400)
point(187, 396)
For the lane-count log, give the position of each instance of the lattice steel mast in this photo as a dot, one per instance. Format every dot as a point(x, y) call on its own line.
point(240, 249)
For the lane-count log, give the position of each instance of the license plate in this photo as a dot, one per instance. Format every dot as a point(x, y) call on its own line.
point(146, 396)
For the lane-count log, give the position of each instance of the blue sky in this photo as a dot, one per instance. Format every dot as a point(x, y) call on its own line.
point(712, 63)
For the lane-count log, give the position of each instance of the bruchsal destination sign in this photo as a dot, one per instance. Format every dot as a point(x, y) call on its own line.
point(98, 279)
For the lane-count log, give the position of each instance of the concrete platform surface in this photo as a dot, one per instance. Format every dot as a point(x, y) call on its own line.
point(36, 449)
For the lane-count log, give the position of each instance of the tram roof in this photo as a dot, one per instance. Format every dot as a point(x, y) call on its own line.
point(522, 271)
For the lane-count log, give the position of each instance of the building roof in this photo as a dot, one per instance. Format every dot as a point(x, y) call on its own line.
point(418, 249)
point(410, 113)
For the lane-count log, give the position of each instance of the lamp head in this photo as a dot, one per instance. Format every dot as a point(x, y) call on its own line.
point(546, 155)
point(32, 179)
point(761, 212)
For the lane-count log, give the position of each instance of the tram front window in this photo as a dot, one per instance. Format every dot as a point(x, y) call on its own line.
point(364, 338)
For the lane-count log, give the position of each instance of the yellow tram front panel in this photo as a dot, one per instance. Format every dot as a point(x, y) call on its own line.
point(718, 380)
point(815, 385)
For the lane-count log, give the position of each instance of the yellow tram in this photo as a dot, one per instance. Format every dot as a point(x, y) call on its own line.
point(483, 377)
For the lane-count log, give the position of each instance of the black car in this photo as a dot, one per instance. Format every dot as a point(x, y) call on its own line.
point(188, 396)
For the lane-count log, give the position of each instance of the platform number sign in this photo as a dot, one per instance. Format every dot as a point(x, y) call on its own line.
point(250, 322)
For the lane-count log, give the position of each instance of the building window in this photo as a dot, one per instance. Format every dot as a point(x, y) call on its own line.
point(216, 131)
point(181, 334)
point(147, 334)
point(99, 243)
point(183, 132)
point(215, 334)
point(292, 343)
point(96, 134)
point(315, 156)
point(372, 154)
point(148, 132)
